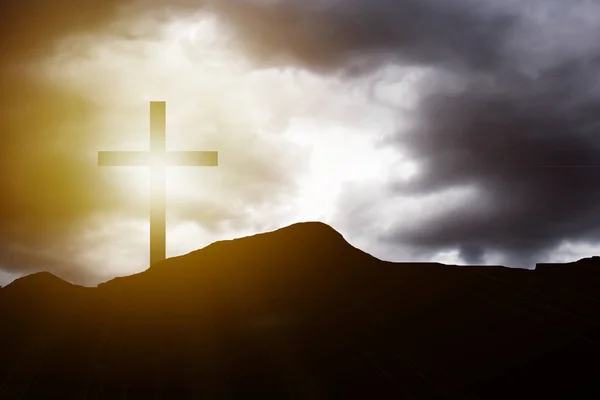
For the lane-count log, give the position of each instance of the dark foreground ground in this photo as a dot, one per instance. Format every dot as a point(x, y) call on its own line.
point(299, 313)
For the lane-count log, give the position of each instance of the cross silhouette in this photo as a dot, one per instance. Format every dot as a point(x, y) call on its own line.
point(158, 158)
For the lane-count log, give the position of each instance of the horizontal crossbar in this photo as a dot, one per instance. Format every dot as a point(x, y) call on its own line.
point(147, 159)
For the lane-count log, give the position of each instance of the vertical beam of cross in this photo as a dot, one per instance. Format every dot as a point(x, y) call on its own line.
point(158, 158)
point(158, 148)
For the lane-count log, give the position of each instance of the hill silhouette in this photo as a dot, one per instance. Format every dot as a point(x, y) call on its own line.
point(300, 313)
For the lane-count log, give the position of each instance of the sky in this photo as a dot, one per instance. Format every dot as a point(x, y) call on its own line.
point(458, 131)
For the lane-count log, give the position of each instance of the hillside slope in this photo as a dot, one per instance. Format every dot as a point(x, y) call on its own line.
point(299, 313)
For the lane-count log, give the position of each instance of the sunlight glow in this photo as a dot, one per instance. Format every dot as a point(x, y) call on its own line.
point(289, 141)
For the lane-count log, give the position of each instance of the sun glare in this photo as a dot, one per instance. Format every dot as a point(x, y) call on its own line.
point(258, 119)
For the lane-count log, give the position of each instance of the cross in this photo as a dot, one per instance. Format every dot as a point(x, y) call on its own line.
point(158, 158)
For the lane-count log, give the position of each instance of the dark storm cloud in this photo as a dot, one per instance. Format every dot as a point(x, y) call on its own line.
point(514, 111)
point(532, 149)
point(358, 35)
point(529, 142)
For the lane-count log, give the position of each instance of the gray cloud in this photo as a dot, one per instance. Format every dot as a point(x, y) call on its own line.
point(357, 35)
point(514, 110)
point(524, 144)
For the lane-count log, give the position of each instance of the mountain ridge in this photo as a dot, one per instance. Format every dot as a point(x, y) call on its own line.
point(300, 313)
point(314, 227)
